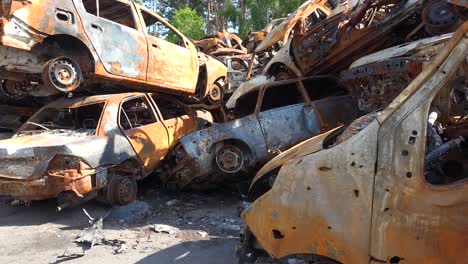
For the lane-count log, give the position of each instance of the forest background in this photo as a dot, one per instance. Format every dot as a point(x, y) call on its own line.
point(199, 18)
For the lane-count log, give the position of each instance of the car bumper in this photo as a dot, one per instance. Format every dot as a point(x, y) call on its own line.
point(46, 187)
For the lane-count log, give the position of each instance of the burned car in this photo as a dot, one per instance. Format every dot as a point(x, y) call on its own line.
point(279, 37)
point(54, 46)
point(390, 188)
point(267, 120)
point(330, 44)
point(93, 147)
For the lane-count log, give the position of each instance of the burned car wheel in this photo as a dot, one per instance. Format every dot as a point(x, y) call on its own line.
point(63, 74)
point(230, 159)
point(122, 190)
point(216, 93)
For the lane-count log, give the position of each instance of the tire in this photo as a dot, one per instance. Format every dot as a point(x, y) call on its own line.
point(122, 190)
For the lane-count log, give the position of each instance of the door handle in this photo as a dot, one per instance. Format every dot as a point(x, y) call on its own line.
point(97, 27)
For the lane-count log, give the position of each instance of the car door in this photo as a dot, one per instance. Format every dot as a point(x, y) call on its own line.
point(281, 116)
point(144, 130)
point(176, 119)
point(173, 59)
point(113, 28)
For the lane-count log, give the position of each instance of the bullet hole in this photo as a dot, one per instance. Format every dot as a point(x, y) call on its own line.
point(324, 169)
point(386, 209)
point(415, 132)
point(395, 260)
point(356, 193)
point(277, 234)
point(360, 166)
point(308, 188)
point(409, 174)
point(329, 228)
point(412, 140)
point(353, 164)
point(387, 190)
point(294, 228)
point(404, 153)
point(352, 154)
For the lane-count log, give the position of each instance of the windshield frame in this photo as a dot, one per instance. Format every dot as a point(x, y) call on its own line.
point(71, 105)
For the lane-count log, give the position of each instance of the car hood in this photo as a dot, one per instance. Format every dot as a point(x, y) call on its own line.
point(28, 146)
point(27, 157)
point(302, 149)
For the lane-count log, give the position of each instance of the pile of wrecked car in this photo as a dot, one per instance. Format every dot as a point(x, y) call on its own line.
point(352, 116)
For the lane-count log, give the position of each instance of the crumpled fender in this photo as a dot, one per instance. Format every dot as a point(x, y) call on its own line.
point(215, 70)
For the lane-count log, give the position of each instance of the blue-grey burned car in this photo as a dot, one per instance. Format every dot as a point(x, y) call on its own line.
point(93, 147)
point(269, 119)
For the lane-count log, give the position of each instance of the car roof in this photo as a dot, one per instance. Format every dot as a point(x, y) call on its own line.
point(79, 101)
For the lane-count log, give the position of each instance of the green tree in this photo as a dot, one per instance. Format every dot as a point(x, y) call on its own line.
point(187, 21)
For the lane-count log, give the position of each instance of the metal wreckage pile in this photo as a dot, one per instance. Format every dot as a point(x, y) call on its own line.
point(353, 116)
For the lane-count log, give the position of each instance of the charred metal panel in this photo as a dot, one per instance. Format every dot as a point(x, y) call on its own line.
point(286, 126)
point(428, 221)
point(122, 50)
point(320, 204)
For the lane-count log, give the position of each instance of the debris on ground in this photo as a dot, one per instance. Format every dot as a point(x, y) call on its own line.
point(165, 229)
point(130, 214)
point(92, 235)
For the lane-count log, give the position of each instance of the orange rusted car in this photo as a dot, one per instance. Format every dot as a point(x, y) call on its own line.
point(390, 188)
point(50, 46)
point(98, 146)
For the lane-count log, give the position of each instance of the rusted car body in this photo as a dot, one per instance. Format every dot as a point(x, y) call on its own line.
point(82, 148)
point(238, 66)
point(267, 120)
point(50, 46)
point(278, 38)
point(375, 80)
point(253, 39)
point(366, 194)
point(221, 44)
point(332, 44)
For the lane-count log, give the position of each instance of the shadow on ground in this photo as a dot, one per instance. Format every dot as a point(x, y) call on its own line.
point(212, 251)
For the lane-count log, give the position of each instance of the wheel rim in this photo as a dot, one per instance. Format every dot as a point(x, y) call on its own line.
point(123, 191)
point(230, 159)
point(439, 17)
point(215, 93)
point(64, 74)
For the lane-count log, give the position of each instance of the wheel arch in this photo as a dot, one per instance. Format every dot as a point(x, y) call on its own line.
point(244, 146)
point(65, 42)
point(130, 166)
